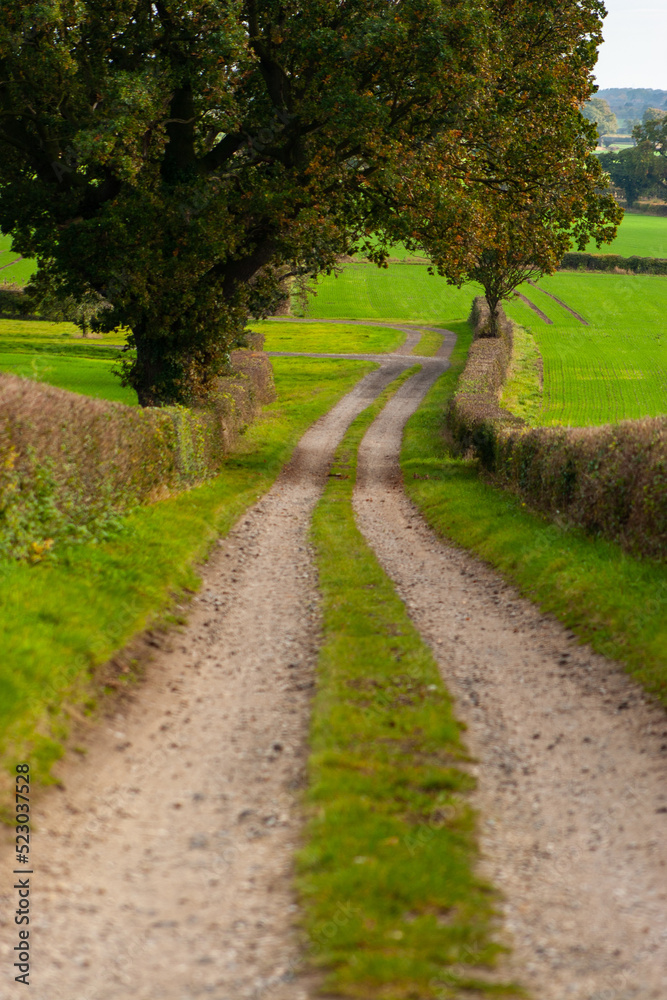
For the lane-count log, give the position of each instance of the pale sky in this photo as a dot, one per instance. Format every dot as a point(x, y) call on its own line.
point(634, 53)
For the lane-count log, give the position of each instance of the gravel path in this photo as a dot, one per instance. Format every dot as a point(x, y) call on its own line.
point(163, 868)
point(571, 758)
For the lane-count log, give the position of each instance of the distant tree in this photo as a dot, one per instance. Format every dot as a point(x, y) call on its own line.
point(48, 301)
point(597, 110)
point(653, 115)
point(653, 133)
point(637, 171)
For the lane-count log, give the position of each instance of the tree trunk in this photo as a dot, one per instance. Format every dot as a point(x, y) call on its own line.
point(153, 372)
point(492, 301)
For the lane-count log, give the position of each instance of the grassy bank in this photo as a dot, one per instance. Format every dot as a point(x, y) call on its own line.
point(428, 344)
point(62, 619)
point(615, 602)
point(393, 908)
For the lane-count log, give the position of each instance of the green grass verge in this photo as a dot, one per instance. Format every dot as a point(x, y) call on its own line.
point(393, 907)
point(522, 392)
point(615, 602)
point(61, 619)
point(329, 338)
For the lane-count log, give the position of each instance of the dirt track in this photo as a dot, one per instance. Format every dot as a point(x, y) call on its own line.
point(163, 869)
point(572, 759)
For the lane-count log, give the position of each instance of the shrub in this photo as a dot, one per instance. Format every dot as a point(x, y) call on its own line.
point(613, 263)
point(610, 480)
point(70, 463)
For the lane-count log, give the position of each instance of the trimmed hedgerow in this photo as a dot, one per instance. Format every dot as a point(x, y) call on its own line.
point(475, 411)
point(612, 262)
point(70, 464)
point(610, 480)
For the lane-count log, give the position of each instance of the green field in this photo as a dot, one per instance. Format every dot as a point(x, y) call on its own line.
point(328, 338)
point(638, 236)
point(615, 368)
point(13, 274)
point(55, 353)
point(400, 292)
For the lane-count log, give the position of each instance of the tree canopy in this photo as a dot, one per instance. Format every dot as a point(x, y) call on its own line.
point(653, 131)
point(178, 159)
point(637, 171)
point(597, 110)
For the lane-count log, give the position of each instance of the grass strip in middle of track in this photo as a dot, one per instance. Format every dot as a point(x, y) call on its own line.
point(428, 344)
point(393, 906)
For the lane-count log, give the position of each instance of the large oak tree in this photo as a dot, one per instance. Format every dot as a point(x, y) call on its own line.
point(179, 157)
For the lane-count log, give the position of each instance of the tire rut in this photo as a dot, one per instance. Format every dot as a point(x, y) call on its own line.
point(560, 302)
point(571, 761)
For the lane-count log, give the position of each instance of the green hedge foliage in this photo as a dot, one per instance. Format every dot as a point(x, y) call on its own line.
point(609, 480)
point(612, 262)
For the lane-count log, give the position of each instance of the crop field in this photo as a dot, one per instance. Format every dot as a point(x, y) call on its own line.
point(400, 292)
point(638, 236)
point(613, 369)
point(55, 353)
point(52, 353)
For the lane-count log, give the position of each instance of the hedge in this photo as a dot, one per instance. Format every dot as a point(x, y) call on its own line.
point(609, 480)
point(612, 262)
point(70, 463)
